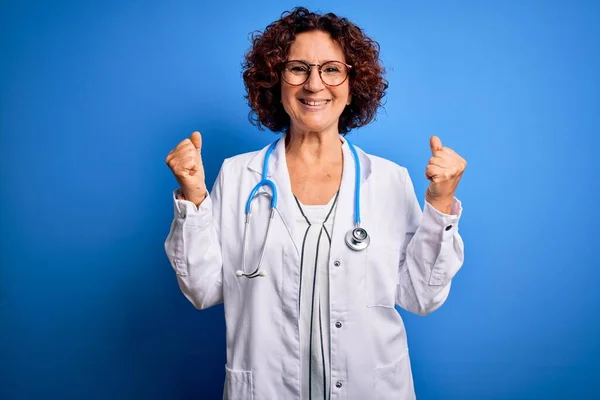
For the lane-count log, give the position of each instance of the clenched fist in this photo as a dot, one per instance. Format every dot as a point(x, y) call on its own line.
point(444, 170)
point(186, 163)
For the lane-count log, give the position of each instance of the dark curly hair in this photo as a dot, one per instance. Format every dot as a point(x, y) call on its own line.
point(271, 47)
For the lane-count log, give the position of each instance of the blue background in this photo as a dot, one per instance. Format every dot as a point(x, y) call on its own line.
point(94, 94)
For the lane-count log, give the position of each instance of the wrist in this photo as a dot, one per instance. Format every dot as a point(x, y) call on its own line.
point(195, 196)
point(442, 204)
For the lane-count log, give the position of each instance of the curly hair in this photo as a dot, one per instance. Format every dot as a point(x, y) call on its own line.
point(261, 69)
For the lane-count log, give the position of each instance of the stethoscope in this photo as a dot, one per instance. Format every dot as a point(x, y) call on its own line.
point(356, 238)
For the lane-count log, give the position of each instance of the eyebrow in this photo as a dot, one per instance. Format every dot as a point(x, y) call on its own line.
point(321, 62)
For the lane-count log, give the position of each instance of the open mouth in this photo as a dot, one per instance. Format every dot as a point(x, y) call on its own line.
point(314, 103)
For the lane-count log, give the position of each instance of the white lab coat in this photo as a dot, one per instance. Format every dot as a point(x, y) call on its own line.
point(410, 262)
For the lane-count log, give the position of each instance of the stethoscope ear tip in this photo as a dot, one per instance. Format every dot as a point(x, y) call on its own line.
point(239, 273)
point(262, 273)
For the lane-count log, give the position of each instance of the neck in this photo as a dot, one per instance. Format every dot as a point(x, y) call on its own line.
point(314, 148)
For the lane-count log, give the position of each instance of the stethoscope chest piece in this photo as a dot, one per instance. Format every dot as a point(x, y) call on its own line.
point(358, 239)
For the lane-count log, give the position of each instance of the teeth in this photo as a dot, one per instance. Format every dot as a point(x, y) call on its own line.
point(315, 103)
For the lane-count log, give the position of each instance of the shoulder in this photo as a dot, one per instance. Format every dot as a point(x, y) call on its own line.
point(383, 169)
point(386, 166)
point(232, 169)
point(239, 160)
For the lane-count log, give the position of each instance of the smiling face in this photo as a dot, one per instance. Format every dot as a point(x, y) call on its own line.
point(314, 106)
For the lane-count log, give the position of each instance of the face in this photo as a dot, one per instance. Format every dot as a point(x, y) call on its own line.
point(314, 106)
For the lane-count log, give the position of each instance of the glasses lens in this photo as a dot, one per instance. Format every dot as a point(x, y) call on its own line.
point(296, 72)
point(334, 73)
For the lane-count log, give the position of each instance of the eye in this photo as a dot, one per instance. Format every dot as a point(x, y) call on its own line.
point(333, 68)
point(297, 68)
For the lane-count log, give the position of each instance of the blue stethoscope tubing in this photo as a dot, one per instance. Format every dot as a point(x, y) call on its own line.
point(356, 239)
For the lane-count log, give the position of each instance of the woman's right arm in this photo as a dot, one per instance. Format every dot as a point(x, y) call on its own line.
point(193, 245)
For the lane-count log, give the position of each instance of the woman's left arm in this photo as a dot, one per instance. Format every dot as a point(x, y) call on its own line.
point(433, 249)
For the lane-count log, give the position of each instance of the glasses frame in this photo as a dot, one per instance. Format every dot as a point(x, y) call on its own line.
point(285, 63)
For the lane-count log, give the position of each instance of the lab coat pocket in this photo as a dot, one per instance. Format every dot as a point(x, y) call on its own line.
point(238, 385)
point(395, 381)
point(381, 276)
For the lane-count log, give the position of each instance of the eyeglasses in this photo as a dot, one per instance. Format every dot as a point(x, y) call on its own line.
point(332, 73)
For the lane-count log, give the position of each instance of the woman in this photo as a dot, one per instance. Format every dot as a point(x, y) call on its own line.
point(309, 288)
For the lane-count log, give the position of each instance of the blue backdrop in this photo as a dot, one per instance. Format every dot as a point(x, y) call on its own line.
point(94, 94)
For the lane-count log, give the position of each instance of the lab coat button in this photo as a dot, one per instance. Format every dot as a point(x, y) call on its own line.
point(337, 263)
point(338, 384)
point(338, 324)
point(449, 227)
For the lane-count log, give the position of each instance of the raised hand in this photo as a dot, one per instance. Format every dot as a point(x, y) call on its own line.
point(444, 170)
point(185, 162)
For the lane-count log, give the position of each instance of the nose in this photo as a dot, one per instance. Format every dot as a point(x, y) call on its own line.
point(314, 82)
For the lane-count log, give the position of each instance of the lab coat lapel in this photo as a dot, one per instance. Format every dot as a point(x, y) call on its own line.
point(344, 216)
point(286, 202)
point(277, 171)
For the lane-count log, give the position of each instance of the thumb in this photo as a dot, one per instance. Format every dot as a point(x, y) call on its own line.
point(196, 140)
point(435, 143)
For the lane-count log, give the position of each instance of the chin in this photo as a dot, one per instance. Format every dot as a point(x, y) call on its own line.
point(315, 125)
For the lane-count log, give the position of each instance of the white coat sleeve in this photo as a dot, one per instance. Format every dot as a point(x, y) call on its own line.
point(193, 247)
point(433, 253)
